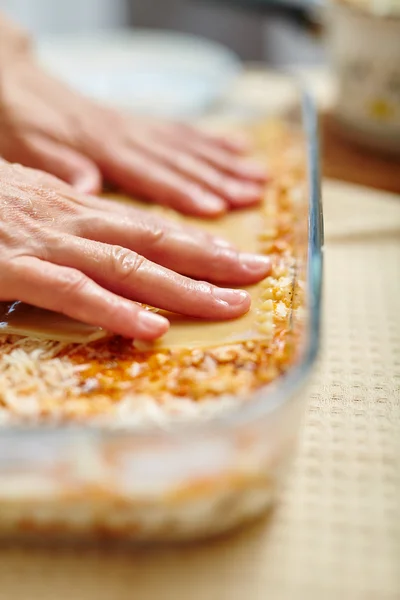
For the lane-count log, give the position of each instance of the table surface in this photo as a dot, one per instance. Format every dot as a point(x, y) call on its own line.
point(335, 532)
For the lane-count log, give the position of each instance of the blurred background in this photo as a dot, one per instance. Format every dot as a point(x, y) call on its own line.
point(189, 58)
point(278, 32)
point(168, 57)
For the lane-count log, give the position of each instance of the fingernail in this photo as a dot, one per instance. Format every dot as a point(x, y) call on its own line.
point(254, 169)
point(211, 204)
point(255, 262)
point(222, 243)
point(151, 323)
point(88, 183)
point(83, 186)
point(245, 193)
point(231, 297)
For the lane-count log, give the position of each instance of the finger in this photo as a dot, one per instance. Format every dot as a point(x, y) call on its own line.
point(142, 175)
point(130, 275)
point(237, 193)
point(239, 167)
point(235, 143)
point(71, 293)
point(65, 163)
point(186, 250)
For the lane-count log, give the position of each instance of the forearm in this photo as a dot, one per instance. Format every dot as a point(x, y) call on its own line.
point(14, 41)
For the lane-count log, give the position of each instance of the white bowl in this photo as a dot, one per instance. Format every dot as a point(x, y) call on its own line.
point(161, 73)
point(365, 55)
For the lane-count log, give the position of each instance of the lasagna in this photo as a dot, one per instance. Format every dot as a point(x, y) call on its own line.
point(55, 370)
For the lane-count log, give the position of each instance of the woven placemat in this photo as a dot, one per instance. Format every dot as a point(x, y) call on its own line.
point(335, 533)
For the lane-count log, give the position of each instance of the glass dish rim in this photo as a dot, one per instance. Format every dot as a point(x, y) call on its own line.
point(280, 392)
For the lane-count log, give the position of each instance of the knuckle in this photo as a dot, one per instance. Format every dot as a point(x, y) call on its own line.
point(52, 243)
point(205, 290)
point(125, 262)
point(155, 232)
point(72, 283)
point(84, 221)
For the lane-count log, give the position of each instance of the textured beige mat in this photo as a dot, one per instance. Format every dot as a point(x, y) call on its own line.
point(336, 531)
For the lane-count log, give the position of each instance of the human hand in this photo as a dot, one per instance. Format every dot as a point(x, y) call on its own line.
point(45, 125)
point(91, 259)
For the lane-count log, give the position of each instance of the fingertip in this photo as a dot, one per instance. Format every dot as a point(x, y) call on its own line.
point(244, 194)
point(210, 205)
point(253, 169)
point(257, 265)
point(150, 326)
point(88, 181)
point(236, 301)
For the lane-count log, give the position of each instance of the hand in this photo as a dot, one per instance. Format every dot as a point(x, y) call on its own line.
point(90, 258)
point(45, 125)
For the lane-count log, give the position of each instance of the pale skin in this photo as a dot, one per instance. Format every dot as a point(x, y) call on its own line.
point(63, 249)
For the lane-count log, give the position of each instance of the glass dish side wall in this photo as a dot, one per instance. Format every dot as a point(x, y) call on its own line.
point(184, 484)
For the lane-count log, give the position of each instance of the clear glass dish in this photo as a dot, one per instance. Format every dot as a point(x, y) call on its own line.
point(191, 482)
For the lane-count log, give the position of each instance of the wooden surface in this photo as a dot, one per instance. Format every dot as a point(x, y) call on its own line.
point(350, 162)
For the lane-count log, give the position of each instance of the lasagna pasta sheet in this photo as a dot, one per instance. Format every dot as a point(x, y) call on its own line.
point(241, 228)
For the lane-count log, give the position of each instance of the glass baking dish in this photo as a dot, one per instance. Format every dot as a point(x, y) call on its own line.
point(189, 482)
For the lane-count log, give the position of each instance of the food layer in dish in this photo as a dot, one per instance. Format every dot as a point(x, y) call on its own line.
point(55, 370)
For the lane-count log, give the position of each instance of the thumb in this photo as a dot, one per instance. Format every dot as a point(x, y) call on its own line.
point(66, 164)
